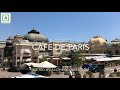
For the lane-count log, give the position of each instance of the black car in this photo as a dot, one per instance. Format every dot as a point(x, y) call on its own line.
point(13, 69)
point(24, 69)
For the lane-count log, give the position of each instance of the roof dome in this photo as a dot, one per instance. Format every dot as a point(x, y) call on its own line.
point(9, 43)
point(35, 36)
point(116, 40)
point(98, 40)
point(10, 38)
point(17, 36)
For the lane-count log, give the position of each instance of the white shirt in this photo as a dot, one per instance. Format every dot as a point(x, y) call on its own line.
point(71, 73)
point(30, 68)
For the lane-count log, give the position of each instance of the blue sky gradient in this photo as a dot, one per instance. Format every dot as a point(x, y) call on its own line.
point(64, 26)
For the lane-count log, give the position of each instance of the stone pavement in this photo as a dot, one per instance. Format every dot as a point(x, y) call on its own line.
point(5, 74)
point(59, 76)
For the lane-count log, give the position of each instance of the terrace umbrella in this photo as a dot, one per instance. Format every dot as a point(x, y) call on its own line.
point(45, 65)
point(31, 64)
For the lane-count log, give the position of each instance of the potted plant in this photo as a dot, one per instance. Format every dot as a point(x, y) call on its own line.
point(112, 75)
point(90, 74)
point(85, 75)
point(118, 74)
point(77, 74)
point(102, 74)
point(49, 73)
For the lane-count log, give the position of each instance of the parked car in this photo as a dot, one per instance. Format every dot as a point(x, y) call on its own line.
point(86, 66)
point(13, 69)
point(96, 68)
point(24, 69)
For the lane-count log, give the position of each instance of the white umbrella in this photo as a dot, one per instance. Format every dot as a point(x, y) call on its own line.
point(31, 64)
point(46, 64)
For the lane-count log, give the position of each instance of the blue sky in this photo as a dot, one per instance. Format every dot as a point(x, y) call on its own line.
point(61, 26)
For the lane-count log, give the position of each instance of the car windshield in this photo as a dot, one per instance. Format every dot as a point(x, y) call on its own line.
point(93, 66)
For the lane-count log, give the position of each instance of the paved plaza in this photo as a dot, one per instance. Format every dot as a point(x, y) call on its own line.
point(5, 74)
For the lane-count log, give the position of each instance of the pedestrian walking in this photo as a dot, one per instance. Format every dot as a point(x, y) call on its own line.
point(70, 74)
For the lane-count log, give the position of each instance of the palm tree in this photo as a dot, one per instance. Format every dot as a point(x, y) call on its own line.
point(76, 59)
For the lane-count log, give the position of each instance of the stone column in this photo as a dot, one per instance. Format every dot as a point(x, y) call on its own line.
point(2, 58)
point(21, 55)
point(31, 56)
point(16, 57)
point(38, 58)
point(57, 61)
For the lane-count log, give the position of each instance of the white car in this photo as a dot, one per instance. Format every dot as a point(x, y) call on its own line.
point(31, 75)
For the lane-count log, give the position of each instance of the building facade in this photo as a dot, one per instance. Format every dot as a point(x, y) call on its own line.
point(30, 48)
point(114, 47)
point(97, 45)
